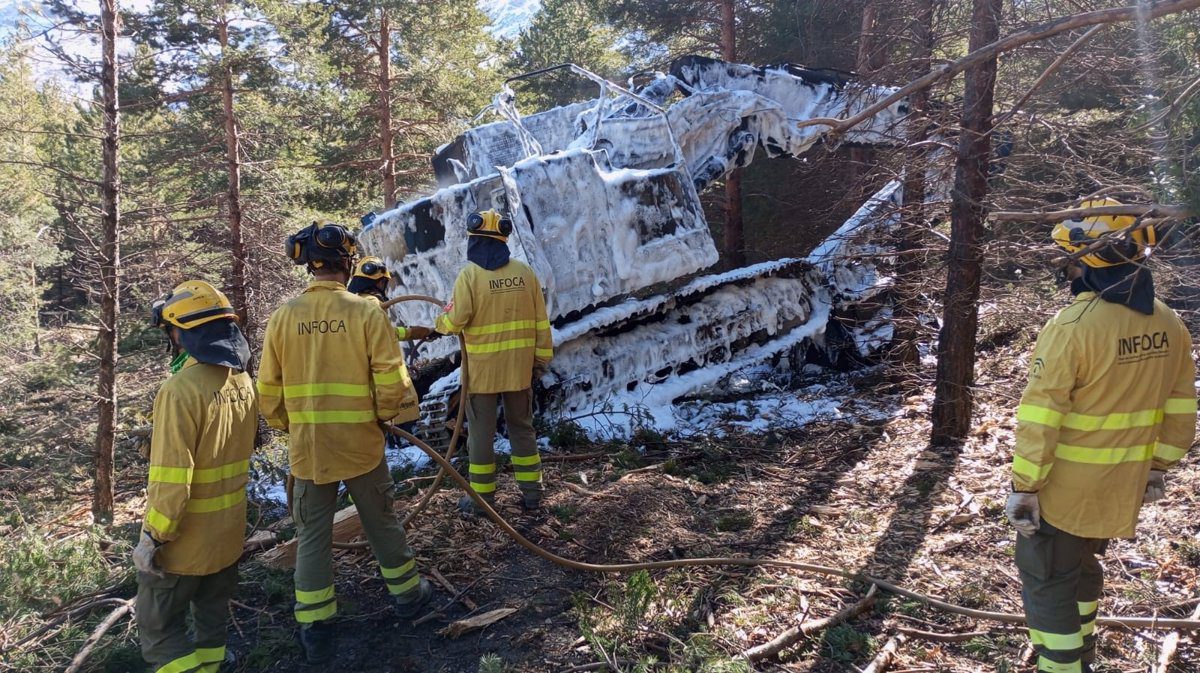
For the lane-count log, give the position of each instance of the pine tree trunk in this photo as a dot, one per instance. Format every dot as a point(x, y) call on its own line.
point(909, 270)
point(110, 264)
point(735, 240)
point(237, 244)
point(953, 396)
point(872, 55)
point(387, 157)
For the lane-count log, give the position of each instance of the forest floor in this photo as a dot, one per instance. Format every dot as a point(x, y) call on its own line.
point(867, 496)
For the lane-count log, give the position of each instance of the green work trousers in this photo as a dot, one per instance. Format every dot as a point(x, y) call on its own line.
point(313, 507)
point(162, 608)
point(481, 437)
point(1061, 582)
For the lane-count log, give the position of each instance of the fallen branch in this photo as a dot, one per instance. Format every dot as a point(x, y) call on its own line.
point(883, 658)
point(460, 596)
point(1008, 43)
point(576, 488)
point(90, 644)
point(456, 629)
point(1169, 646)
point(1139, 210)
point(942, 637)
point(796, 633)
point(571, 457)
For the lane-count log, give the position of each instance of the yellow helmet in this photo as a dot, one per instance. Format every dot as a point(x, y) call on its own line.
point(371, 268)
point(489, 223)
point(1075, 235)
point(191, 304)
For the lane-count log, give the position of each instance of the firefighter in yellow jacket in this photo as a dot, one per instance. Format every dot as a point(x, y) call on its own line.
point(499, 308)
point(205, 419)
point(331, 371)
point(369, 281)
point(1109, 407)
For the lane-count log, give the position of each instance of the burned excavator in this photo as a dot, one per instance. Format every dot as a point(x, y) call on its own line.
point(604, 198)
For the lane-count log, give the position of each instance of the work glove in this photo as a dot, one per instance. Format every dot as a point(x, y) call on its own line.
point(1024, 513)
point(143, 555)
point(538, 372)
point(1156, 486)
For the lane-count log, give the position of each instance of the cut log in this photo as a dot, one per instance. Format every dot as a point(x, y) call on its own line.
point(346, 528)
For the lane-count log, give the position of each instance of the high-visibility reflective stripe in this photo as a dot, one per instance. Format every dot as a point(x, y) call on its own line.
point(1119, 421)
point(1087, 628)
point(307, 616)
point(483, 468)
point(1180, 405)
point(1088, 608)
point(483, 488)
point(397, 589)
point(206, 505)
point(318, 389)
point(1104, 456)
point(330, 417)
point(214, 667)
point(1042, 415)
point(160, 521)
point(208, 475)
point(208, 655)
point(211, 475)
point(543, 324)
point(268, 389)
point(1060, 642)
point(397, 573)
point(508, 345)
point(387, 378)
point(170, 475)
point(402, 333)
point(312, 597)
point(496, 328)
point(543, 352)
point(184, 663)
point(1168, 452)
point(528, 476)
point(1050, 666)
point(526, 460)
point(1030, 470)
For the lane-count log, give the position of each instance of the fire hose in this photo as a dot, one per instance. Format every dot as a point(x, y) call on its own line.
point(445, 468)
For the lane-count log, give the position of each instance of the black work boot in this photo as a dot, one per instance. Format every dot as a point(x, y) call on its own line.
point(319, 641)
point(409, 605)
point(531, 503)
point(467, 506)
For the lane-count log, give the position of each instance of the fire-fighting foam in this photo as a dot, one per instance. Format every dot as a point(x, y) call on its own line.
point(604, 200)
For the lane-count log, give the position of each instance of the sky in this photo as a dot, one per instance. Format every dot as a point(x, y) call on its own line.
point(509, 17)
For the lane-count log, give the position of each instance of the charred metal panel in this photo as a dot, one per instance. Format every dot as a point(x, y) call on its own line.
point(590, 232)
point(481, 150)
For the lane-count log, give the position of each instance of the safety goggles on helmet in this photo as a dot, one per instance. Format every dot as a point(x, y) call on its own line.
point(1123, 246)
point(372, 268)
point(489, 223)
point(321, 242)
point(191, 304)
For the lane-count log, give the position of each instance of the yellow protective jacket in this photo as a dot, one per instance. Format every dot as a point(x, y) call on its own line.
point(502, 315)
point(1111, 393)
point(204, 424)
point(331, 369)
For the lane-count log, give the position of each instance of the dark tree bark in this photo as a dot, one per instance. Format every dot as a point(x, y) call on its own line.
point(872, 55)
point(110, 265)
point(909, 270)
point(735, 239)
point(387, 156)
point(953, 396)
point(237, 244)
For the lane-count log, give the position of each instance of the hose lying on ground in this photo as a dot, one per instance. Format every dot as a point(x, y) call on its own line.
point(1130, 622)
point(444, 468)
